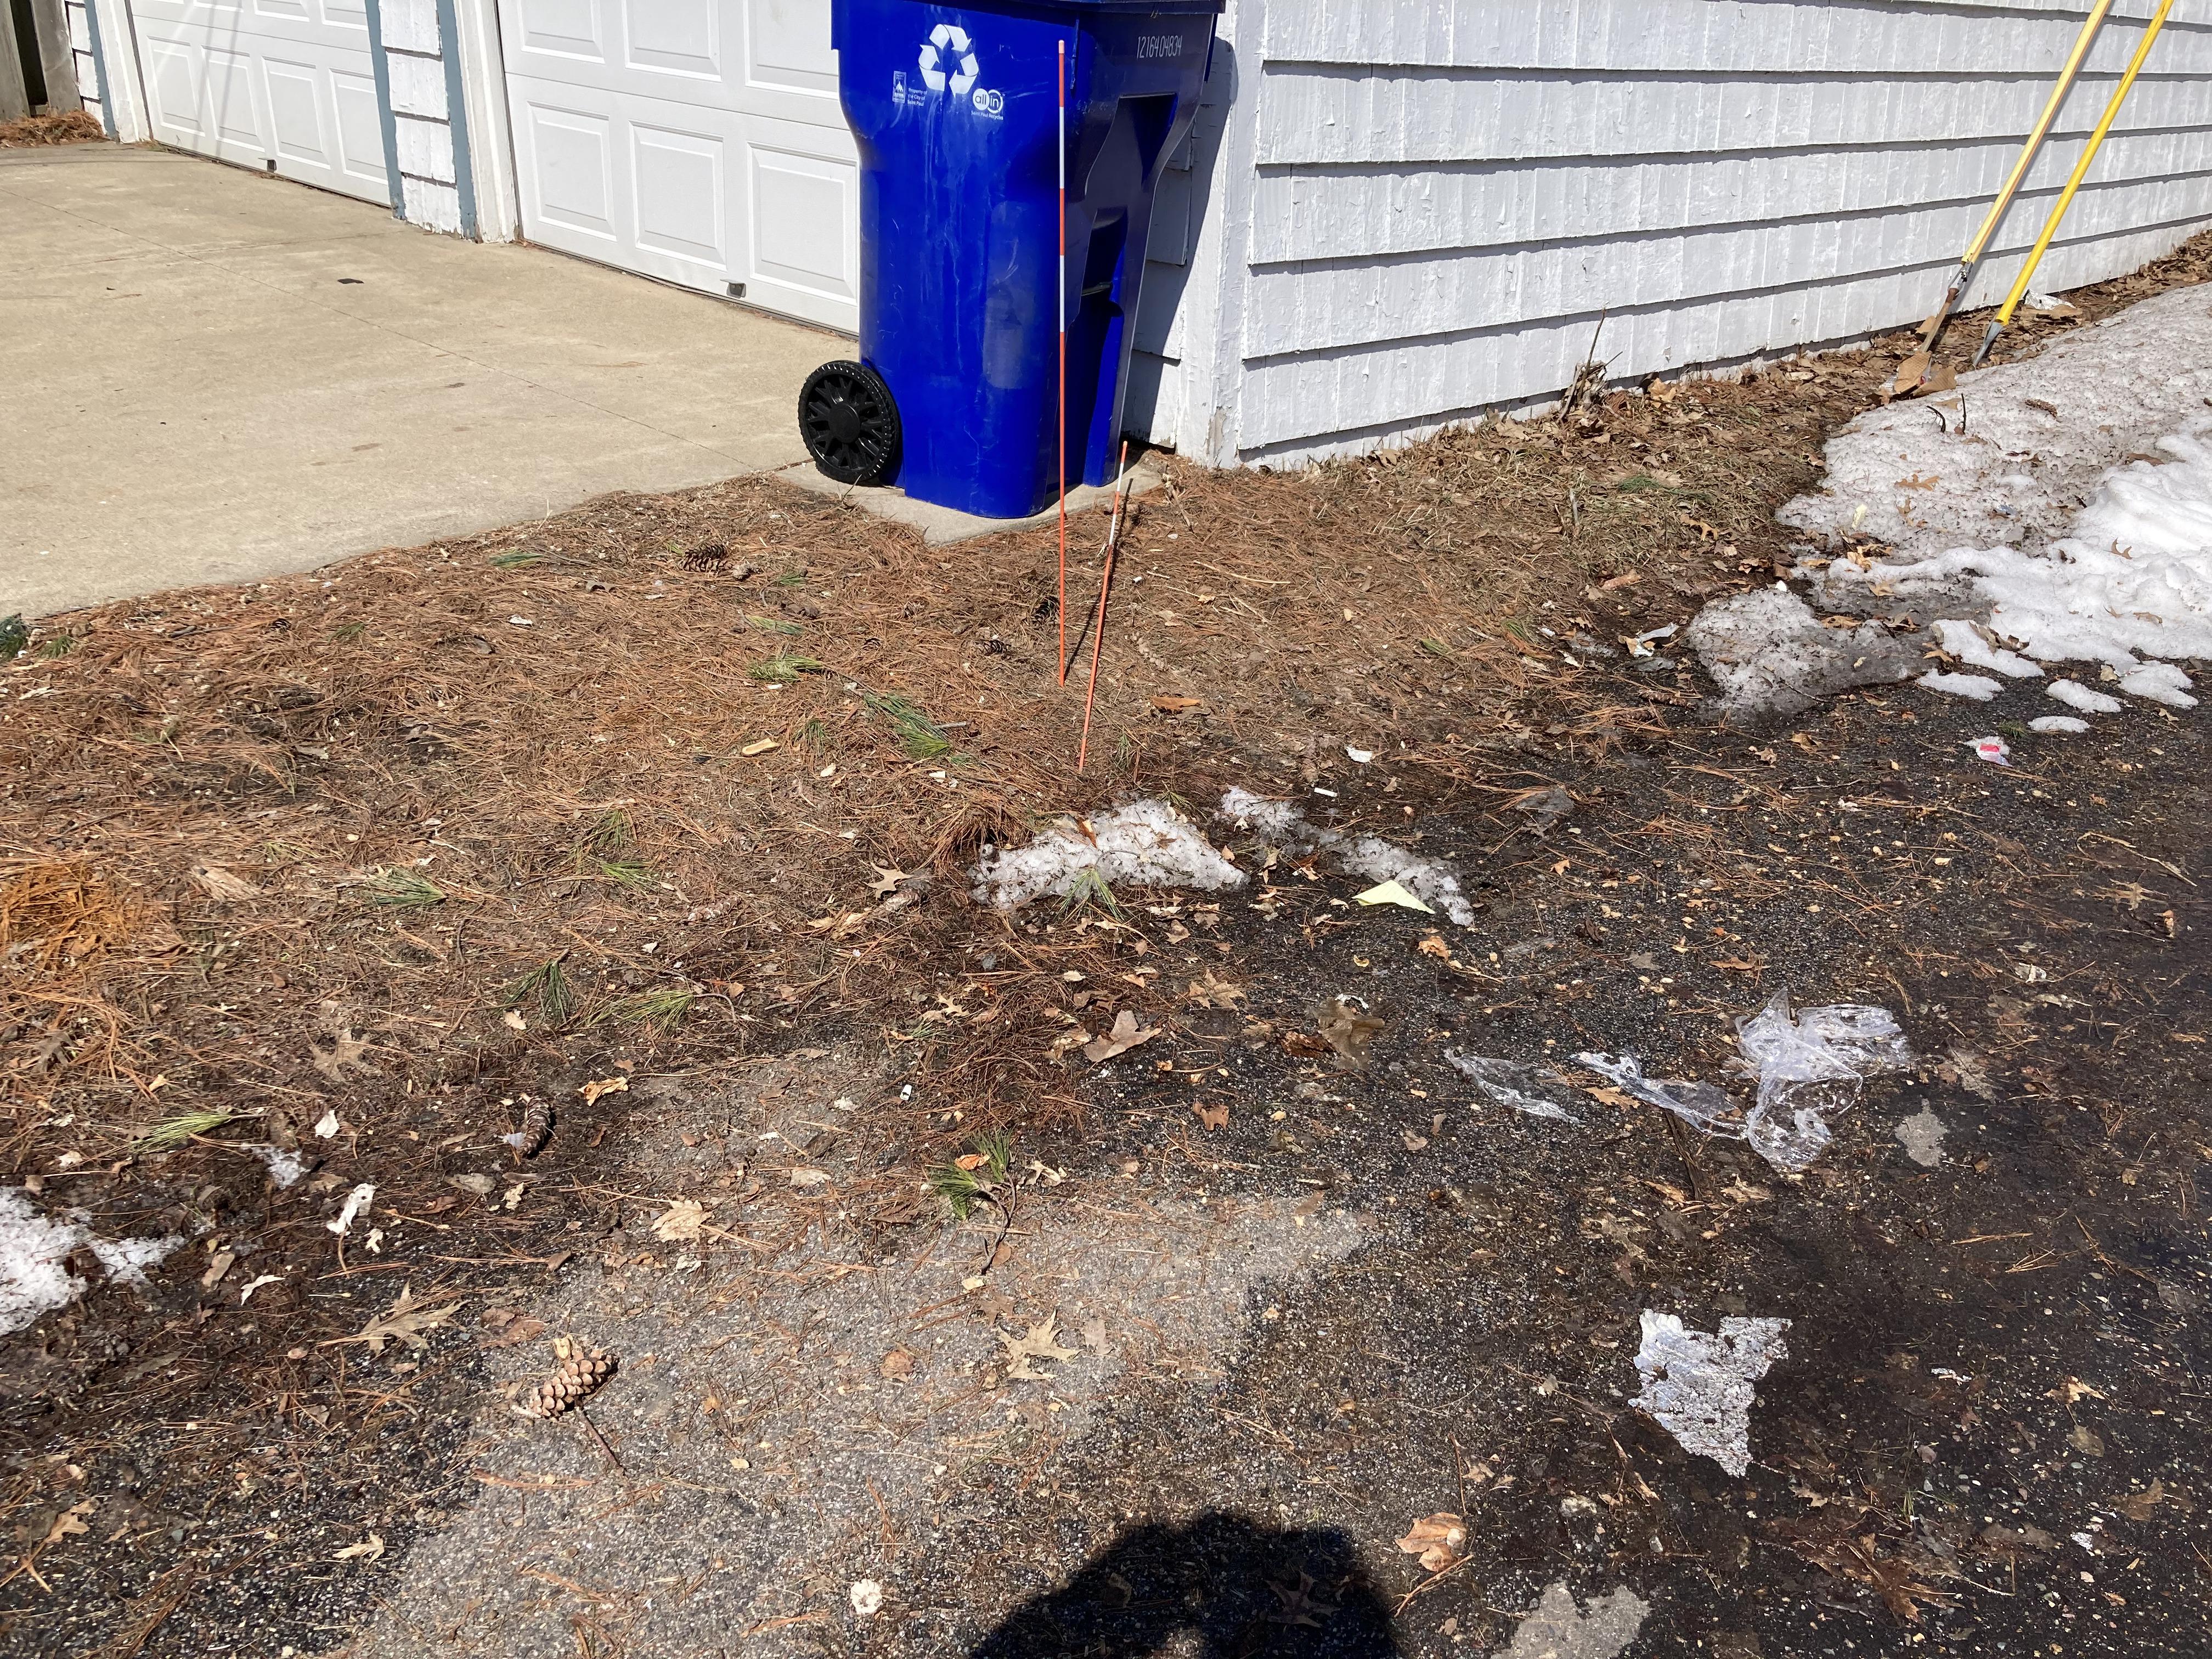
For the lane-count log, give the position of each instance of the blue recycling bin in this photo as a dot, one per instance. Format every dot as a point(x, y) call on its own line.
point(956, 110)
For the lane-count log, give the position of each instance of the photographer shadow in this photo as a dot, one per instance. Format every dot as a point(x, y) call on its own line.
point(1243, 1589)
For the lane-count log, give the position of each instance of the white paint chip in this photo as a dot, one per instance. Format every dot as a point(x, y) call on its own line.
point(1697, 1386)
point(1558, 1629)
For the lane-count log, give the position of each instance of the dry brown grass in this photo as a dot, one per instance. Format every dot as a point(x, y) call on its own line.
point(34, 132)
point(401, 787)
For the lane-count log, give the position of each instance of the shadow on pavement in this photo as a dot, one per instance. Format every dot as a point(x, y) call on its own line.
point(1244, 1589)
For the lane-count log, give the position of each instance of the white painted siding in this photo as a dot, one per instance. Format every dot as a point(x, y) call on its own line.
point(87, 70)
point(1420, 208)
point(422, 132)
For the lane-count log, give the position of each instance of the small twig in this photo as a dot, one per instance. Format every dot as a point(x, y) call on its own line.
point(601, 1438)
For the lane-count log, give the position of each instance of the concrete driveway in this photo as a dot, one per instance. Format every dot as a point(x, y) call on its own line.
point(208, 376)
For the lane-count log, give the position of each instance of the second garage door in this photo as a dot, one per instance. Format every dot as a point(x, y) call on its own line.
point(283, 85)
point(698, 140)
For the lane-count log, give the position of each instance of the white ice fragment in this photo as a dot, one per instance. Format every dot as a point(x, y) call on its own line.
point(1146, 844)
point(1528, 1089)
point(2054, 723)
point(1980, 687)
point(34, 1247)
point(1769, 654)
point(2075, 694)
point(326, 1126)
point(357, 1202)
point(286, 1166)
point(1964, 641)
point(1434, 881)
point(1697, 1386)
point(1556, 1629)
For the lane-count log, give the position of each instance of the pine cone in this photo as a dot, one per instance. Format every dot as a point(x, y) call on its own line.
point(709, 555)
point(578, 1372)
point(536, 1129)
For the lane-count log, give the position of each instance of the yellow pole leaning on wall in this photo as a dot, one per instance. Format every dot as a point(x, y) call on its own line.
point(1971, 261)
point(2003, 319)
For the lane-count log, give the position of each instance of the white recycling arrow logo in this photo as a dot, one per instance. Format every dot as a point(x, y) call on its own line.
point(949, 41)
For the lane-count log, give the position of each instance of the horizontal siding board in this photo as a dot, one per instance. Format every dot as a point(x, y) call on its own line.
point(1331, 118)
point(1366, 212)
point(1746, 36)
point(1322, 307)
point(1407, 385)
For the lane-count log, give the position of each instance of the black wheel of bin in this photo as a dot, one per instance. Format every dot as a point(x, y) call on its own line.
point(850, 422)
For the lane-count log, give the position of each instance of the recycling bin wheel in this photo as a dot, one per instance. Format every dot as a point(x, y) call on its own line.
point(850, 422)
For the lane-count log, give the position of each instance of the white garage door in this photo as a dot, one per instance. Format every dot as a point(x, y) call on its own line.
point(258, 81)
point(698, 140)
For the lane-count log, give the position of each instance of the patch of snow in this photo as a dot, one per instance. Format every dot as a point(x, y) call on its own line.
point(2130, 587)
point(1556, 1629)
point(1146, 844)
point(2057, 723)
point(1430, 880)
point(1434, 881)
point(1771, 657)
point(1528, 1089)
point(286, 1167)
point(34, 1277)
point(2118, 384)
point(2075, 694)
point(1980, 687)
point(1699, 1386)
point(1964, 641)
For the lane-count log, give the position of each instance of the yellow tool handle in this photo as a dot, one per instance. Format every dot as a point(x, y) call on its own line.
point(2080, 172)
point(2082, 42)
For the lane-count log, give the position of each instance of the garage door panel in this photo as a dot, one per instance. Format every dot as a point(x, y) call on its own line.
point(697, 141)
point(296, 123)
point(361, 134)
point(682, 37)
point(565, 28)
point(788, 47)
point(574, 177)
point(281, 82)
point(679, 181)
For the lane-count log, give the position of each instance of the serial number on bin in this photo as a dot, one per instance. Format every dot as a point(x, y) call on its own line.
point(1159, 45)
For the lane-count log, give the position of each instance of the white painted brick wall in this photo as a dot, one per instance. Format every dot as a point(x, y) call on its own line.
point(1419, 207)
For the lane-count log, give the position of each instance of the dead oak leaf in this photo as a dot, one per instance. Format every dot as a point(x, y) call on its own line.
point(605, 1086)
point(1439, 1540)
point(682, 1222)
point(344, 1053)
point(219, 882)
point(1212, 1113)
point(1348, 1027)
point(1040, 1343)
point(69, 1523)
point(404, 1319)
point(1126, 1034)
point(899, 1362)
point(1212, 993)
point(888, 878)
point(370, 1548)
point(2139, 1505)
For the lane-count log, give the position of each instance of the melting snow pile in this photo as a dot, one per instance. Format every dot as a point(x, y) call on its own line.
point(1811, 1067)
point(1980, 507)
point(1697, 1386)
point(1146, 844)
point(34, 1247)
point(2038, 435)
point(1282, 823)
point(1770, 655)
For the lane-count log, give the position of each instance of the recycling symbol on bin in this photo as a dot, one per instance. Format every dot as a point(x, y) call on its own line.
point(949, 41)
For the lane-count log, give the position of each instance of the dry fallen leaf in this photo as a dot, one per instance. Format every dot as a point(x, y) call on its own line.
point(1212, 993)
point(1348, 1029)
point(1413, 1143)
point(69, 1523)
point(1439, 1540)
point(1213, 1113)
point(802, 1176)
point(219, 883)
point(1125, 1035)
point(1433, 946)
point(404, 1319)
point(371, 1548)
point(2139, 1505)
point(605, 1086)
point(681, 1222)
point(1039, 1344)
point(888, 876)
point(899, 1362)
point(345, 1051)
point(516, 1328)
point(1178, 705)
point(759, 747)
